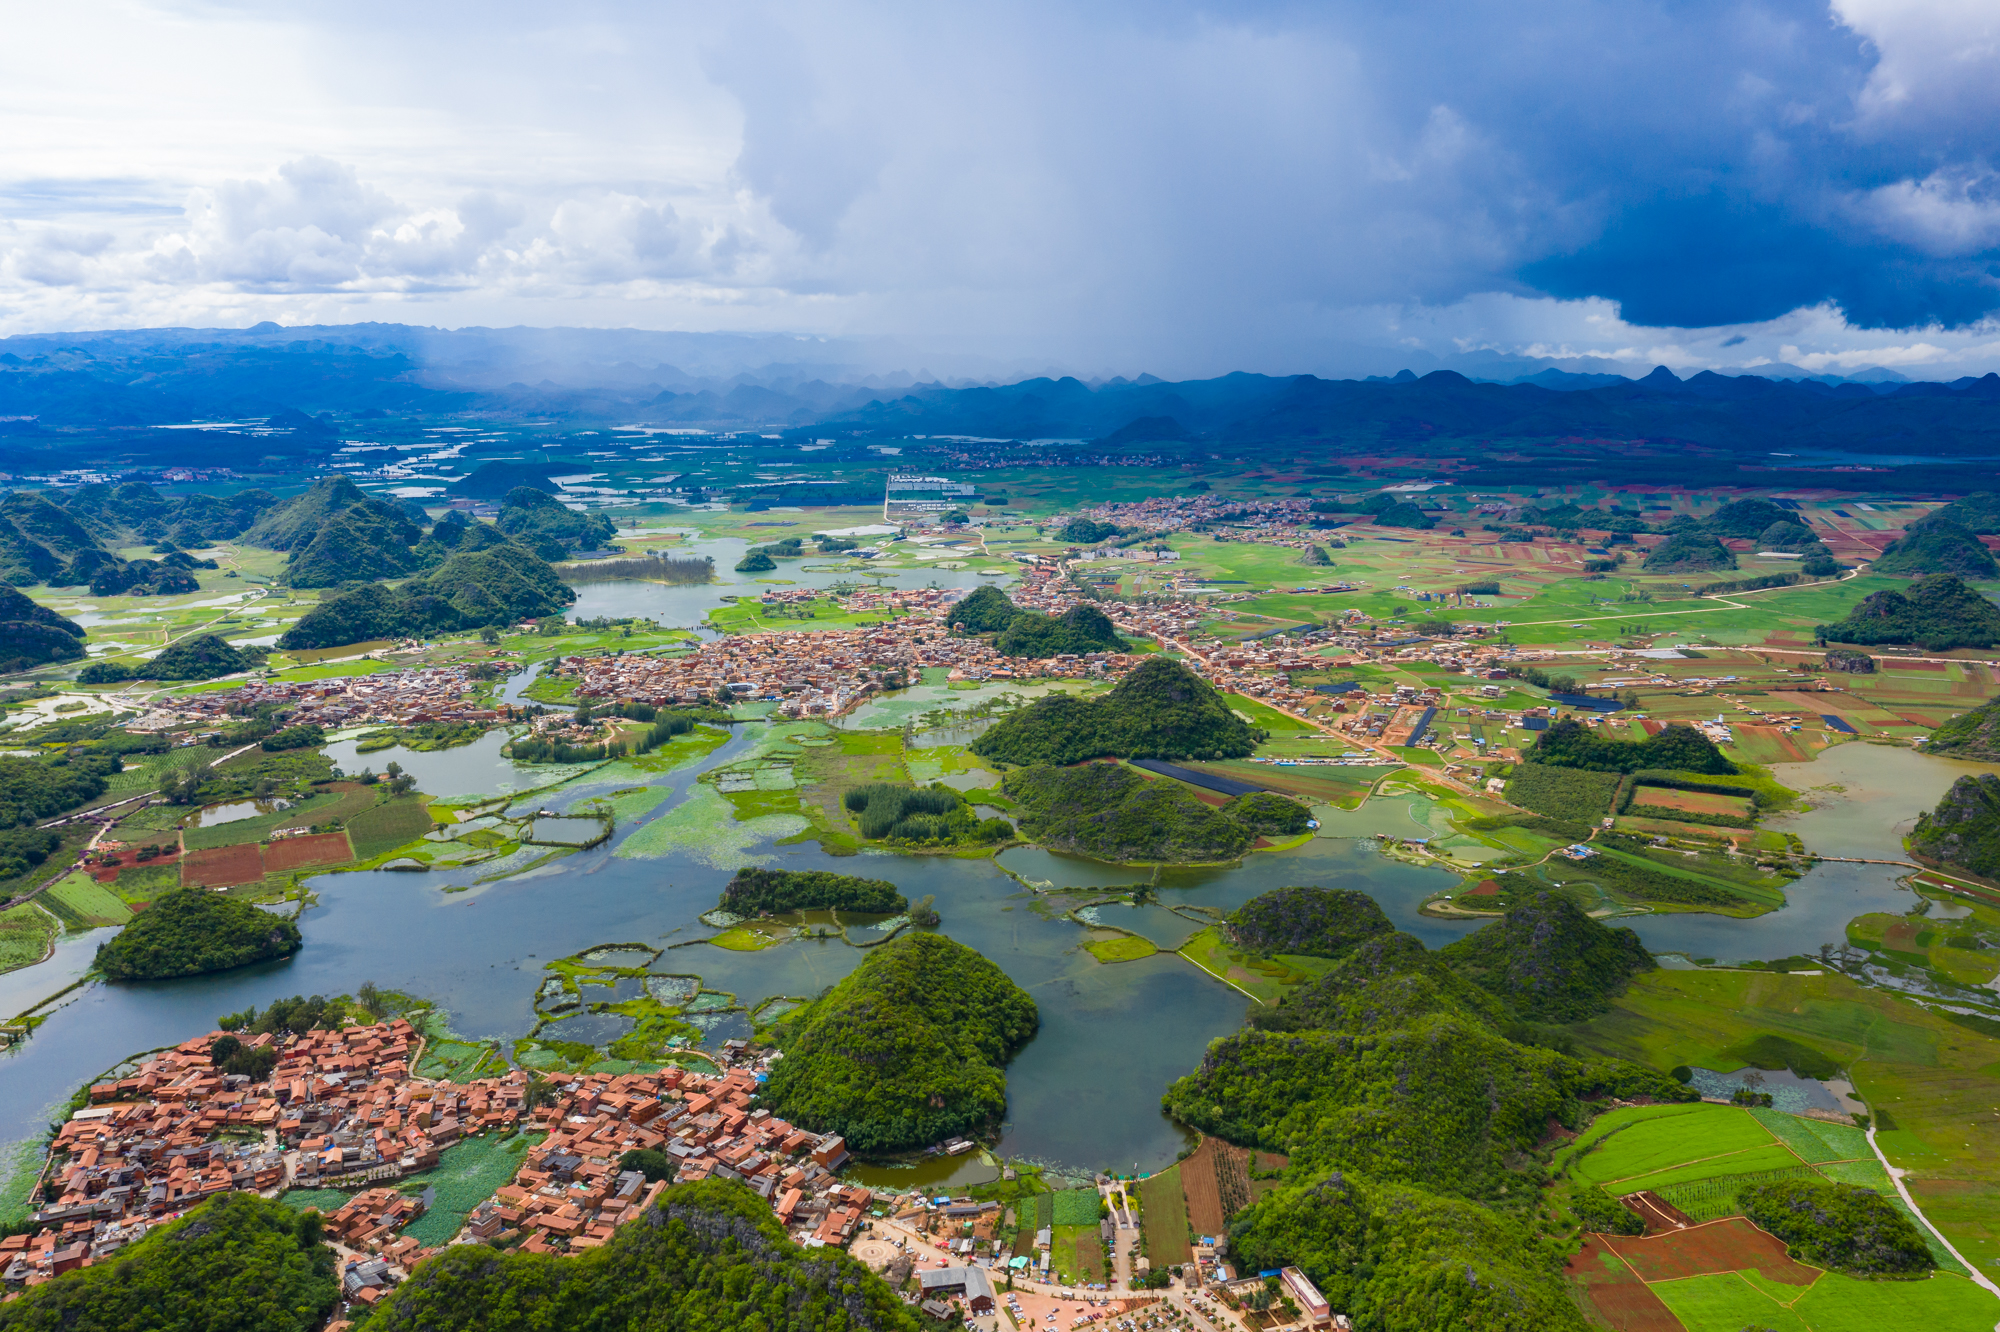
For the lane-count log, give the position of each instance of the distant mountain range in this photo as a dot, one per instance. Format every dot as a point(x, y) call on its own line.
point(318, 385)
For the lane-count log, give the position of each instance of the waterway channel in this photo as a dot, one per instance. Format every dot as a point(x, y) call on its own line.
point(1084, 1093)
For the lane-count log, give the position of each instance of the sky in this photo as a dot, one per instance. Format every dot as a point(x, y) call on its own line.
point(1175, 188)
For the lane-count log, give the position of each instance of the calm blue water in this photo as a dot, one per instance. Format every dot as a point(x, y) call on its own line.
point(1085, 1092)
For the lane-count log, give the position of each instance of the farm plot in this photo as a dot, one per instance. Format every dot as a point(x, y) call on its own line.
point(1649, 1147)
point(82, 901)
point(1729, 1302)
point(315, 849)
point(222, 866)
point(1164, 1209)
point(1076, 1207)
point(383, 828)
point(1615, 1291)
point(25, 934)
point(467, 1174)
point(1693, 802)
point(1204, 1200)
point(1730, 1245)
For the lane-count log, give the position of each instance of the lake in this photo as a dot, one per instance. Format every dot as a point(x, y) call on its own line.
point(1084, 1093)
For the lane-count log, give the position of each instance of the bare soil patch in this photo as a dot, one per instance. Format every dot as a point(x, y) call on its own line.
point(1729, 1245)
point(290, 853)
point(222, 866)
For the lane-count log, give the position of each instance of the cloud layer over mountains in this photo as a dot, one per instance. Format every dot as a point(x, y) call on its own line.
point(1176, 187)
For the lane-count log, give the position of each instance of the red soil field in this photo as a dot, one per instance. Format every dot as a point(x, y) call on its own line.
point(1659, 1215)
point(1694, 802)
point(221, 866)
point(290, 853)
point(1729, 1245)
point(1892, 665)
point(1204, 1199)
point(1616, 1292)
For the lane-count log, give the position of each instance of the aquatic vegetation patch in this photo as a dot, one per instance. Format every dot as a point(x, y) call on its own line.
point(673, 991)
point(1124, 948)
point(704, 828)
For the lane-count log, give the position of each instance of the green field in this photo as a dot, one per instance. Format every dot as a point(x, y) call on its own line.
point(1929, 1081)
point(1648, 1147)
point(1163, 1213)
point(89, 901)
point(384, 827)
point(25, 934)
point(1734, 1301)
point(1125, 948)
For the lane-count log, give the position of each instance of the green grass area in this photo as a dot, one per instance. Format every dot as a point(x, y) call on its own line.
point(25, 934)
point(1929, 1081)
point(1263, 715)
point(89, 901)
point(1126, 948)
point(452, 1061)
point(1650, 1145)
point(1751, 1161)
point(382, 828)
point(1713, 1198)
point(1815, 1140)
point(1616, 1121)
point(1264, 979)
point(466, 1176)
point(1731, 1302)
point(1163, 1213)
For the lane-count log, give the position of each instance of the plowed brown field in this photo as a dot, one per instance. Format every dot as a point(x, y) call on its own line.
point(289, 853)
point(222, 866)
point(1728, 1245)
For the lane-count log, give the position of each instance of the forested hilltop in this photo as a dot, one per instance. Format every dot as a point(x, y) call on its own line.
point(1161, 710)
point(1110, 812)
point(1410, 1111)
point(236, 1263)
point(907, 1052)
point(190, 931)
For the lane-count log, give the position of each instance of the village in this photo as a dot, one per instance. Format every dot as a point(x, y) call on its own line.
point(391, 698)
point(341, 1109)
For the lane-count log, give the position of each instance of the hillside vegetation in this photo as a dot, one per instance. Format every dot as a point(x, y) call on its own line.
point(1973, 735)
point(1688, 552)
point(906, 1052)
point(1936, 545)
point(236, 1263)
point(1548, 961)
point(1409, 1116)
point(1937, 613)
point(32, 634)
point(539, 521)
point(1844, 1227)
point(984, 610)
point(1161, 710)
point(1110, 812)
point(1677, 748)
point(1080, 629)
point(756, 892)
point(1964, 829)
point(709, 1257)
point(1310, 922)
point(190, 931)
point(499, 585)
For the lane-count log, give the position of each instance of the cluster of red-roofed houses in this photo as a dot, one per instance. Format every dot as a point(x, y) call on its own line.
point(342, 1109)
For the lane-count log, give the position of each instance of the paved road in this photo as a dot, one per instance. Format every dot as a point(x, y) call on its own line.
point(1896, 1178)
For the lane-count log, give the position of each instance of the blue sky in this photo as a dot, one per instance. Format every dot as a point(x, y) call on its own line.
point(1176, 188)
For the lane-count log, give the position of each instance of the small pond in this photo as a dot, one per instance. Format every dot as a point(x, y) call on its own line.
point(235, 811)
